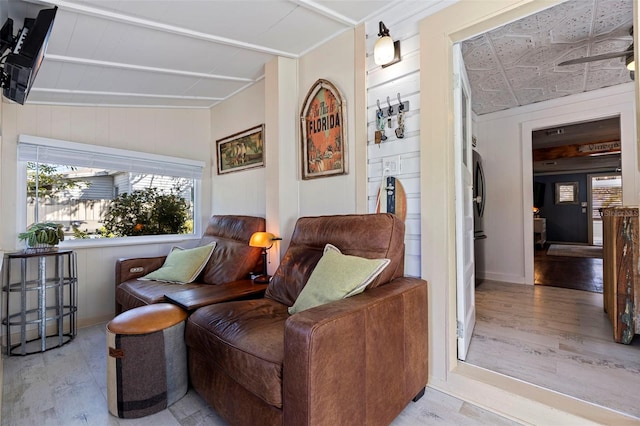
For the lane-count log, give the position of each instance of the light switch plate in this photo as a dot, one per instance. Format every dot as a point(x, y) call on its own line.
point(391, 165)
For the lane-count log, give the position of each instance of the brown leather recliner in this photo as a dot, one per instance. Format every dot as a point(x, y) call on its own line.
point(356, 361)
point(232, 260)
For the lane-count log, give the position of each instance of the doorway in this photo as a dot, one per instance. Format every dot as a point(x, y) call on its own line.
point(576, 171)
point(605, 190)
point(506, 195)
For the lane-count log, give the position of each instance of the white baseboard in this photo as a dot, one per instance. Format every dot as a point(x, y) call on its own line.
point(88, 322)
point(507, 278)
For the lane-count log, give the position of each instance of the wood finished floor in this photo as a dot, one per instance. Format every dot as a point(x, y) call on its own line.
point(67, 386)
point(556, 338)
point(579, 273)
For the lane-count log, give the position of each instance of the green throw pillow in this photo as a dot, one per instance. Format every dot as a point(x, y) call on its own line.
point(182, 265)
point(337, 276)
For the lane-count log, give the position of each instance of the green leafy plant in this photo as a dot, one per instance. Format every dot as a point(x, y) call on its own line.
point(43, 234)
point(50, 181)
point(146, 212)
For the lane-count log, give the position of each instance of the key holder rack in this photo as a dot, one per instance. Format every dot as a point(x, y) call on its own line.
point(394, 109)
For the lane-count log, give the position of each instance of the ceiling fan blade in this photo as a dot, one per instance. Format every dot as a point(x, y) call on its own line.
point(596, 58)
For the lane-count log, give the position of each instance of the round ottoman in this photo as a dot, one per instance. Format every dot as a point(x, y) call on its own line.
point(146, 360)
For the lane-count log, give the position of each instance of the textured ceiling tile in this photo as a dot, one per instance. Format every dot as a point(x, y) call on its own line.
point(572, 83)
point(490, 81)
point(610, 45)
point(496, 101)
point(472, 43)
point(616, 63)
point(543, 57)
point(607, 77)
point(574, 53)
point(527, 52)
point(520, 77)
point(511, 49)
point(475, 77)
point(612, 13)
point(571, 21)
point(531, 95)
point(481, 57)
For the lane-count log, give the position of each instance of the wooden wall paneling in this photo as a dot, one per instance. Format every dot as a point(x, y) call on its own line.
point(403, 78)
point(621, 276)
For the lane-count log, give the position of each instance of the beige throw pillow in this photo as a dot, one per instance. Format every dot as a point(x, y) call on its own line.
point(182, 265)
point(337, 276)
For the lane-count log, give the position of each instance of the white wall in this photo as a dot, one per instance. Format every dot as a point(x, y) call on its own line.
point(240, 192)
point(517, 400)
point(401, 78)
point(277, 191)
point(505, 144)
point(176, 132)
point(244, 192)
point(333, 61)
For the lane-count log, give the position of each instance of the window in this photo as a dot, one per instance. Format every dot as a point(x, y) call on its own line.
point(100, 192)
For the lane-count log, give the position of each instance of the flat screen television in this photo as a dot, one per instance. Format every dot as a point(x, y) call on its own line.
point(538, 194)
point(23, 63)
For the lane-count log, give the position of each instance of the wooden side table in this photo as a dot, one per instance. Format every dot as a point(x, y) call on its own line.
point(190, 300)
point(47, 296)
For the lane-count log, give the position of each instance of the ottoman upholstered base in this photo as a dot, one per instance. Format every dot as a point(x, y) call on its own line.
point(146, 360)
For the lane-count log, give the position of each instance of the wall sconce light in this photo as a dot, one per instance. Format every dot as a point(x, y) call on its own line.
point(386, 52)
point(264, 240)
point(630, 62)
point(631, 65)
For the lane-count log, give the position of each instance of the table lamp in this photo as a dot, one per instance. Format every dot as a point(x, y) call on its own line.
point(264, 240)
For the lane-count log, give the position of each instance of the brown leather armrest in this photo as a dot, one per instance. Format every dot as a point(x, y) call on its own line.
point(130, 269)
point(359, 360)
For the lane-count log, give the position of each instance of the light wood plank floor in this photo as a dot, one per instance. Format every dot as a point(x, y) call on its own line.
point(67, 386)
point(557, 338)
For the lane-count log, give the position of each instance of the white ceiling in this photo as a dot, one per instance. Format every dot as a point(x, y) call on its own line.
point(517, 64)
point(179, 53)
point(196, 53)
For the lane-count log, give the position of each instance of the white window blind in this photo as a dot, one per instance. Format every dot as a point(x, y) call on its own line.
point(53, 151)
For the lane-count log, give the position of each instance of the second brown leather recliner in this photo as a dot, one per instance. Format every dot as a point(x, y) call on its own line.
point(355, 361)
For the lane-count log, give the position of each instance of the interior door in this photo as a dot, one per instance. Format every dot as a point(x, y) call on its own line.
point(465, 273)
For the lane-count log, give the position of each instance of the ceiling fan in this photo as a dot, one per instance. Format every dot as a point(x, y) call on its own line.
point(627, 54)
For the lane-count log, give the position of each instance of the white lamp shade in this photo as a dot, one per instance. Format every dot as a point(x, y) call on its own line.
point(383, 51)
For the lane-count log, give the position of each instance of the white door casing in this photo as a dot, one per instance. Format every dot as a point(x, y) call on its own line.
point(465, 271)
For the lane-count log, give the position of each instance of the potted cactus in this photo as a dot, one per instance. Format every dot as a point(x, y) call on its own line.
point(42, 236)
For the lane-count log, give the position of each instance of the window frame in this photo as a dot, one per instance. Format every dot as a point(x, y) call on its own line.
point(21, 192)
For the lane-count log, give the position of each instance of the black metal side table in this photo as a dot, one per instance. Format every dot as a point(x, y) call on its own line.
point(41, 293)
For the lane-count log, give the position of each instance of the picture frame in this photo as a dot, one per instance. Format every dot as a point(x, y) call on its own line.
point(323, 132)
point(566, 193)
point(241, 151)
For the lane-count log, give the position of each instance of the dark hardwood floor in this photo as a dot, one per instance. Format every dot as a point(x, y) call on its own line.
point(579, 273)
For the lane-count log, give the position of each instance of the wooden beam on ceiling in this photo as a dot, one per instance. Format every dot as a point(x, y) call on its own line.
point(577, 150)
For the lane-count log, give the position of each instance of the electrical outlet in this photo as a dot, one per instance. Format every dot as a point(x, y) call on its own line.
point(136, 269)
point(392, 165)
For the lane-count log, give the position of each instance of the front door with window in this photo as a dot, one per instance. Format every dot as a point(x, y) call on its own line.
point(605, 190)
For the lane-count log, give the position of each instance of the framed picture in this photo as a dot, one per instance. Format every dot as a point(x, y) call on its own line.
point(323, 132)
point(566, 192)
point(241, 151)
